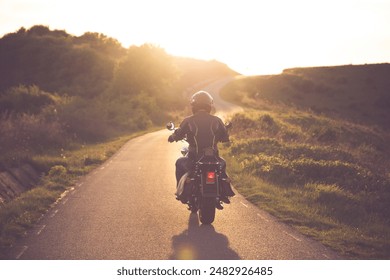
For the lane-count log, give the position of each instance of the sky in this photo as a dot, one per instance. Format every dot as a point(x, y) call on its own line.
point(253, 37)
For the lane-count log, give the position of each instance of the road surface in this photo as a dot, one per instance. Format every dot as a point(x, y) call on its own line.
point(126, 209)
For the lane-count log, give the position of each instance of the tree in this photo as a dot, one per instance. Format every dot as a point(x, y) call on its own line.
point(146, 68)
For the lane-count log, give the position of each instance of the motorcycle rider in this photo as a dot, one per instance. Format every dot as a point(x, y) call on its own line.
point(201, 130)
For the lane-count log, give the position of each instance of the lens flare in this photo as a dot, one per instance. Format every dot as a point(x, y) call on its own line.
point(186, 252)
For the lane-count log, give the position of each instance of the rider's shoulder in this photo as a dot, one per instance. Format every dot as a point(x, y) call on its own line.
point(204, 116)
point(186, 120)
point(216, 118)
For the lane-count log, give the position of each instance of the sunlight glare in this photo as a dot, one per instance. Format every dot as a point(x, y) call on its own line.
point(251, 36)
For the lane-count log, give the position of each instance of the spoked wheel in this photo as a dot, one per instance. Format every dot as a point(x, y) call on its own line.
point(207, 210)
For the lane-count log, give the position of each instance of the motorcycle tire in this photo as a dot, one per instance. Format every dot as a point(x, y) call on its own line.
point(207, 211)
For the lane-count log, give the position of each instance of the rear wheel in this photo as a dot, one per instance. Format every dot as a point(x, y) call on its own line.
point(207, 210)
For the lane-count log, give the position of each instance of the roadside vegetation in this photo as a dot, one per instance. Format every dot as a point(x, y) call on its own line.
point(61, 173)
point(312, 149)
point(69, 102)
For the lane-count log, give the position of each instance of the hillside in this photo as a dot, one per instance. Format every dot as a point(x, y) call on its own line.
point(359, 93)
point(57, 89)
point(312, 149)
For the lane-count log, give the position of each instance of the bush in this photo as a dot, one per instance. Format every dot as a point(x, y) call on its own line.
point(30, 133)
point(58, 177)
point(92, 160)
point(85, 119)
point(26, 100)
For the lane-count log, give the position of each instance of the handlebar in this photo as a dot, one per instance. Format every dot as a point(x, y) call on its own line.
point(171, 126)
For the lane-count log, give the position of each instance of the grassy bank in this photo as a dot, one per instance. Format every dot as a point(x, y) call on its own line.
point(326, 176)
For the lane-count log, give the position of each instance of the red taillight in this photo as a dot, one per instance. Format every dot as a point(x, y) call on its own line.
point(210, 178)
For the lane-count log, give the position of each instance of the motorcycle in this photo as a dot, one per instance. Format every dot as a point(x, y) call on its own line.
point(203, 185)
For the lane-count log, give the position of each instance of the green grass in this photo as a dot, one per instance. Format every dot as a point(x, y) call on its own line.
point(20, 214)
point(338, 218)
point(325, 173)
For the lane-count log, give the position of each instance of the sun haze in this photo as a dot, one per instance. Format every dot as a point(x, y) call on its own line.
point(251, 36)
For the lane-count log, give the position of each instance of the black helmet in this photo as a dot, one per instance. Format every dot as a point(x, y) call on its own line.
point(201, 100)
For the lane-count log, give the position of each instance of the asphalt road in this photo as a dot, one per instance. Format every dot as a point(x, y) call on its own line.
point(126, 209)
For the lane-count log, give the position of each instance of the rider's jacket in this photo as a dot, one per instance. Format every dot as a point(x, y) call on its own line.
point(201, 130)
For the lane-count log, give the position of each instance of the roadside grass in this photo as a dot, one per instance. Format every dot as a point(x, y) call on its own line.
point(326, 176)
point(61, 170)
point(339, 219)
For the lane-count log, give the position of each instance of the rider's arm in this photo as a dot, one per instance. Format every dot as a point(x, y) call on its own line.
point(180, 133)
point(223, 135)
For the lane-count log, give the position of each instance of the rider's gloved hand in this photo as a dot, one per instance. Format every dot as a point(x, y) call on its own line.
point(171, 139)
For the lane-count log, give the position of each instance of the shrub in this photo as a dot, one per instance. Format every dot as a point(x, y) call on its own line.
point(25, 99)
point(59, 175)
point(347, 175)
point(85, 119)
point(28, 133)
point(92, 160)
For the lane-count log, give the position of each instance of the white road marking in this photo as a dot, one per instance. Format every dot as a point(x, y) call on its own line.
point(262, 217)
point(296, 238)
point(22, 252)
point(65, 201)
point(244, 204)
point(55, 212)
point(41, 229)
